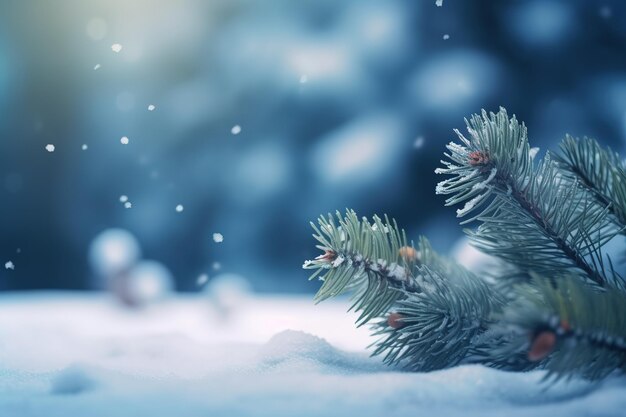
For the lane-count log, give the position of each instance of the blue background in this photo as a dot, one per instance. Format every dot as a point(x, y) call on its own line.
point(341, 104)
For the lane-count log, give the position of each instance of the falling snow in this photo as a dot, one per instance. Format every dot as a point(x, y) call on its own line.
point(128, 204)
point(439, 3)
point(50, 147)
point(446, 37)
point(84, 147)
point(116, 47)
point(179, 208)
point(218, 238)
point(304, 79)
point(235, 130)
point(151, 107)
point(124, 140)
point(9, 265)
point(216, 266)
point(96, 67)
point(123, 198)
point(419, 142)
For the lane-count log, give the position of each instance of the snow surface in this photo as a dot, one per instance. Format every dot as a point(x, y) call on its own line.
point(75, 354)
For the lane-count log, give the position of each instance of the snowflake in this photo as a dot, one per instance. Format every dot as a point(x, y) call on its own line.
point(151, 107)
point(9, 265)
point(50, 147)
point(124, 140)
point(116, 47)
point(235, 130)
point(179, 208)
point(218, 238)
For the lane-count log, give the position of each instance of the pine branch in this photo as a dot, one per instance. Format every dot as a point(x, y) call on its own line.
point(437, 329)
point(372, 260)
point(528, 214)
point(572, 328)
point(437, 305)
point(548, 218)
point(599, 170)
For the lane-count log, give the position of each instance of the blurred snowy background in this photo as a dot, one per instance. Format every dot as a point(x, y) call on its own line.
point(246, 119)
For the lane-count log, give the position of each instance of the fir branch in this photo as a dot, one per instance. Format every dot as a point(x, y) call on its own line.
point(599, 170)
point(529, 215)
point(583, 328)
point(365, 258)
point(438, 306)
point(436, 329)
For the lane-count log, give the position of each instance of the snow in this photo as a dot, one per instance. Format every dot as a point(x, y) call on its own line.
point(179, 208)
point(446, 37)
point(235, 130)
point(128, 205)
point(67, 354)
point(9, 265)
point(96, 67)
point(469, 205)
point(218, 238)
point(124, 140)
point(151, 107)
point(72, 380)
point(84, 147)
point(304, 79)
point(123, 198)
point(337, 262)
point(50, 147)
point(419, 142)
point(533, 152)
point(484, 184)
point(439, 3)
point(116, 47)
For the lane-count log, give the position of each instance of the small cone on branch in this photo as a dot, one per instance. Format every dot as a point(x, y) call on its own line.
point(394, 320)
point(409, 254)
point(478, 158)
point(328, 255)
point(542, 345)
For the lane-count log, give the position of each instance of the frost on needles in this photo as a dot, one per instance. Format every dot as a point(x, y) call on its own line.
point(554, 300)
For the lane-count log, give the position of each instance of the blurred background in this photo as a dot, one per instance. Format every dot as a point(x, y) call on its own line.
point(208, 134)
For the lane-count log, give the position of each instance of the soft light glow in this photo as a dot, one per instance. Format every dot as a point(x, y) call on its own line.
point(113, 251)
point(360, 151)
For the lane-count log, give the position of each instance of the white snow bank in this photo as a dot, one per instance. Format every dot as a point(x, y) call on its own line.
point(73, 355)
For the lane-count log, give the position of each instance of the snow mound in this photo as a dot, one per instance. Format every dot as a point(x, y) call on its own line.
point(72, 380)
point(64, 354)
point(292, 350)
